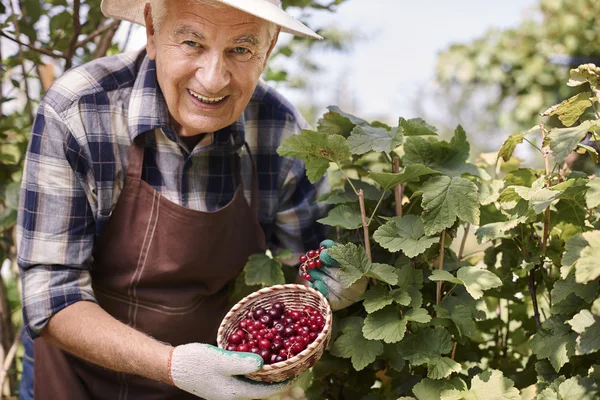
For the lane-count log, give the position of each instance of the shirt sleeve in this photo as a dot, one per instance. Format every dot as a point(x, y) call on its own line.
point(55, 226)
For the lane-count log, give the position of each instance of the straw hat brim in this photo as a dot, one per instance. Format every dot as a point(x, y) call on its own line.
point(133, 11)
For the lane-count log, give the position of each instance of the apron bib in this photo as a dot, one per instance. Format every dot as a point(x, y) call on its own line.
point(162, 269)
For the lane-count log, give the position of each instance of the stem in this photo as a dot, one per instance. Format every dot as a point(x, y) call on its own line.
point(76, 31)
point(532, 290)
point(533, 144)
point(347, 178)
point(453, 350)
point(438, 292)
point(375, 210)
point(37, 49)
point(398, 189)
point(361, 201)
point(9, 357)
point(463, 242)
point(105, 41)
point(97, 33)
point(507, 328)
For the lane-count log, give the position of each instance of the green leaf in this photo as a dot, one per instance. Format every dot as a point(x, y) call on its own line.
point(496, 230)
point(477, 279)
point(588, 328)
point(490, 191)
point(346, 216)
point(570, 110)
point(404, 233)
point(385, 325)
point(488, 385)
point(539, 198)
point(463, 318)
point(564, 287)
point(416, 127)
point(8, 218)
point(337, 122)
point(577, 388)
point(441, 275)
point(392, 354)
point(429, 389)
point(401, 297)
point(564, 140)
point(354, 261)
point(441, 367)
point(592, 197)
point(521, 177)
point(383, 272)
point(418, 315)
point(587, 268)
point(446, 157)
point(365, 138)
point(352, 344)
point(554, 342)
point(376, 298)
point(317, 150)
point(426, 345)
point(508, 148)
point(411, 173)
point(264, 271)
point(445, 199)
point(347, 194)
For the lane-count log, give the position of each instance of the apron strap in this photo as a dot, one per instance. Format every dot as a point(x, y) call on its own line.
point(254, 193)
point(136, 157)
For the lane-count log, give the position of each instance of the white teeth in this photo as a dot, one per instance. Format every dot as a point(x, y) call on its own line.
point(206, 99)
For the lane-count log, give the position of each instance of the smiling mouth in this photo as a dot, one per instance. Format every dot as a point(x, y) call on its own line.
point(207, 100)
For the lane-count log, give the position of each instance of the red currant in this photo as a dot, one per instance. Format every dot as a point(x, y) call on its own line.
point(311, 254)
point(303, 258)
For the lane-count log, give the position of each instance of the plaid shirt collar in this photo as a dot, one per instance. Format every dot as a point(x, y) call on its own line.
point(148, 110)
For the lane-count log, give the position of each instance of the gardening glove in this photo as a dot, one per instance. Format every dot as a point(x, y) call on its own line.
point(326, 280)
point(210, 372)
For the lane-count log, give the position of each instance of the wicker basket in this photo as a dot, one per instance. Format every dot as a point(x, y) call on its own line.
point(294, 297)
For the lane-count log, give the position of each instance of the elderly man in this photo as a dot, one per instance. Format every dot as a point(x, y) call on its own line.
point(150, 178)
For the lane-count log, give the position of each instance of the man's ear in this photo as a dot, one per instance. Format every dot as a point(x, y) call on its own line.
point(272, 46)
point(150, 32)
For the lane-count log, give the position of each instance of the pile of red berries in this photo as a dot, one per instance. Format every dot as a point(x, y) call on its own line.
point(310, 260)
point(278, 333)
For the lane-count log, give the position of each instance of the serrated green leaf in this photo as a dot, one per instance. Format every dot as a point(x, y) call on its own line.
point(596, 307)
point(463, 318)
point(587, 267)
point(592, 197)
point(429, 389)
point(577, 388)
point(564, 287)
point(477, 279)
point(564, 140)
point(376, 298)
point(365, 138)
point(337, 122)
point(441, 367)
point(539, 198)
point(554, 342)
point(354, 261)
point(404, 233)
point(411, 173)
point(352, 344)
point(588, 328)
point(496, 230)
point(509, 145)
point(441, 275)
point(316, 150)
point(584, 148)
point(416, 127)
point(445, 199)
point(490, 192)
point(401, 296)
point(447, 157)
point(426, 345)
point(346, 216)
point(521, 177)
point(262, 270)
point(385, 325)
point(347, 194)
point(383, 272)
point(570, 110)
point(418, 315)
point(392, 353)
point(488, 385)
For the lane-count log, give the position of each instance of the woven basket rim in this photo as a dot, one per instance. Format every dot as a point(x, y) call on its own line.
point(312, 347)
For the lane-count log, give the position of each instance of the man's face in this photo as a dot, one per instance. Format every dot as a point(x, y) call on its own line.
point(208, 62)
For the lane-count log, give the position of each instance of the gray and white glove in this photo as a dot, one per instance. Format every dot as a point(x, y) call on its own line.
point(210, 372)
point(326, 280)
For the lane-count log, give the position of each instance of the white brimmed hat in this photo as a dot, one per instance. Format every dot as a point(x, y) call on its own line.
point(270, 10)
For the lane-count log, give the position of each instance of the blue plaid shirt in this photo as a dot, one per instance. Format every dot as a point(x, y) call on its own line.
point(77, 162)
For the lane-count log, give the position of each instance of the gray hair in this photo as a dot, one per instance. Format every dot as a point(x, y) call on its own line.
point(159, 13)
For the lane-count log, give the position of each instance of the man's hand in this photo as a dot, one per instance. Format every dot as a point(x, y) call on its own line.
point(326, 280)
point(210, 372)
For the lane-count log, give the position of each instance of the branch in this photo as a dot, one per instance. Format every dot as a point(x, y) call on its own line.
point(532, 290)
point(105, 42)
point(76, 31)
point(398, 189)
point(97, 33)
point(9, 357)
point(361, 201)
point(463, 242)
point(438, 292)
point(36, 49)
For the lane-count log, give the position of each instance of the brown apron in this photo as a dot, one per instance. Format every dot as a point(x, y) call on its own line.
point(164, 270)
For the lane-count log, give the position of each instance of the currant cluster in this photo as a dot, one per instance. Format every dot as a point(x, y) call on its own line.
point(278, 333)
point(310, 260)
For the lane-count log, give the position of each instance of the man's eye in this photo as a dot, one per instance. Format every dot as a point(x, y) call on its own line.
point(241, 50)
point(191, 43)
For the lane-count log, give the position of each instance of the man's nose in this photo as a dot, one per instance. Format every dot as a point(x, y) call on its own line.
point(213, 73)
